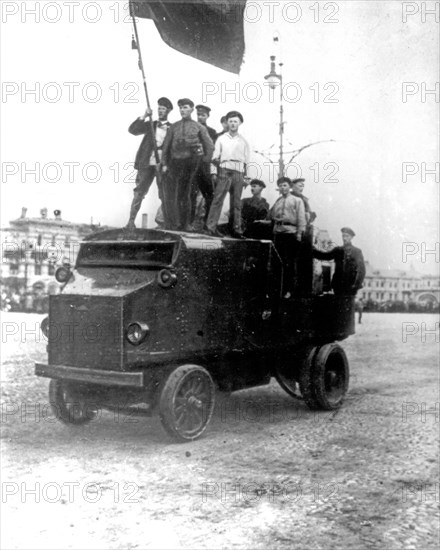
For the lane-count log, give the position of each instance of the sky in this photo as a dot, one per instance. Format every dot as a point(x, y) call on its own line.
point(357, 72)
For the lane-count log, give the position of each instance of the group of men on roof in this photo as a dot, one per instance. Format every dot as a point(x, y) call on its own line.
point(195, 168)
point(191, 160)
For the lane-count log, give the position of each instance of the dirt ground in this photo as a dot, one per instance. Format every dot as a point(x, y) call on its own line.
point(268, 473)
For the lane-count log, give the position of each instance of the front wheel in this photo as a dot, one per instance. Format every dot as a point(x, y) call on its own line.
point(68, 403)
point(187, 402)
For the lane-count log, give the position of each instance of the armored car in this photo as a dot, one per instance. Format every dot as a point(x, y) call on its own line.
point(161, 321)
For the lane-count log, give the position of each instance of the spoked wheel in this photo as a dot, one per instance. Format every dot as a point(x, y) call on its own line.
point(187, 402)
point(331, 376)
point(69, 405)
point(288, 371)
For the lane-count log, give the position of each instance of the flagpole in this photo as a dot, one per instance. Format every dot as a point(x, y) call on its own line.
point(144, 80)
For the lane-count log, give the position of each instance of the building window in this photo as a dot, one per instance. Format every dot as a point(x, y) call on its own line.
point(51, 269)
point(37, 269)
point(13, 269)
point(39, 239)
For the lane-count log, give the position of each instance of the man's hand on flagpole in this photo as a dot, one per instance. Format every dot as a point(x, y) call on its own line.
point(148, 113)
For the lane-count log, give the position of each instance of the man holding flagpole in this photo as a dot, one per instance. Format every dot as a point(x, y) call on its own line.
point(145, 162)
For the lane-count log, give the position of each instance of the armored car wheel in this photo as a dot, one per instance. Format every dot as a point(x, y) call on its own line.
point(324, 381)
point(68, 403)
point(331, 376)
point(287, 372)
point(186, 402)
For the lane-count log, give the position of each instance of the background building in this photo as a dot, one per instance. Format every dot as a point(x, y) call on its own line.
point(397, 285)
point(32, 249)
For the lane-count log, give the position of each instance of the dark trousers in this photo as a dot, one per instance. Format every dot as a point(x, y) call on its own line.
point(177, 192)
point(288, 247)
point(202, 182)
point(144, 179)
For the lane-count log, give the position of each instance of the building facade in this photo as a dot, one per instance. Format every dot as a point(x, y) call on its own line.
point(32, 249)
point(396, 285)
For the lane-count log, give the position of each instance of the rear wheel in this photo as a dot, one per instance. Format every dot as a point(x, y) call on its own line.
point(324, 380)
point(69, 404)
point(187, 402)
point(331, 376)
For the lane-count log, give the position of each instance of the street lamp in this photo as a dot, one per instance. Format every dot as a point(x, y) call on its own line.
point(274, 80)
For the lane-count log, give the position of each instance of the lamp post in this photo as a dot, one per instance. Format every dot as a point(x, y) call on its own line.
point(274, 80)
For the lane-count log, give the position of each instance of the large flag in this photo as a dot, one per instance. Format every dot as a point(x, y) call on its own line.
point(209, 30)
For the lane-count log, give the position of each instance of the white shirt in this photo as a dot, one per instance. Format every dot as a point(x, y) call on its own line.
point(161, 132)
point(288, 209)
point(232, 152)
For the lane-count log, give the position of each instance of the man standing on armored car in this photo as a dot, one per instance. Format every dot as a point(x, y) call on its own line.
point(289, 223)
point(297, 190)
point(145, 162)
point(349, 265)
point(254, 209)
point(231, 156)
point(186, 145)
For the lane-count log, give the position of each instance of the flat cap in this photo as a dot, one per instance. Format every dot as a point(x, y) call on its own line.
point(165, 102)
point(203, 108)
point(284, 179)
point(258, 182)
point(349, 231)
point(185, 101)
point(232, 114)
point(298, 180)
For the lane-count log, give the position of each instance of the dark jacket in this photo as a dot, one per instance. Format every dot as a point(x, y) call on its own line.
point(212, 133)
point(253, 209)
point(349, 268)
point(137, 128)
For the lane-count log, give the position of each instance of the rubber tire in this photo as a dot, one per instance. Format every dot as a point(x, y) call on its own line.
point(327, 353)
point(306, 379)
point(298, 357)
point(173, 384)
point(60, 395)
